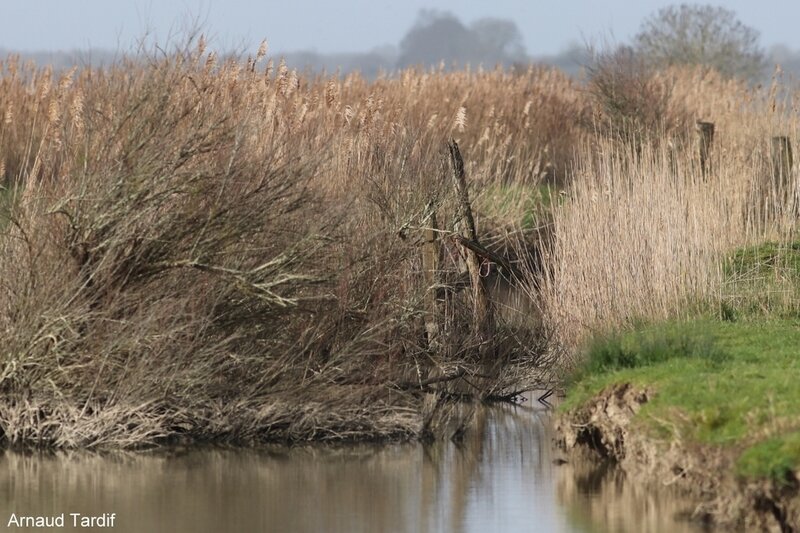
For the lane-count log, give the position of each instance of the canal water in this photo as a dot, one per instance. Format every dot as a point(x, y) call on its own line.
point(504, 475)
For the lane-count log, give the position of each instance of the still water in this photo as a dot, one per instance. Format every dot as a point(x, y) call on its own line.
point(503, 476)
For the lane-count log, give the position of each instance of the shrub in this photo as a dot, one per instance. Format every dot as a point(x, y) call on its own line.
point(631, 102)
point(701, 35)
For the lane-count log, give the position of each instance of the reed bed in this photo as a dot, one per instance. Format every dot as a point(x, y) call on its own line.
point(219, 250)
point(645, 231)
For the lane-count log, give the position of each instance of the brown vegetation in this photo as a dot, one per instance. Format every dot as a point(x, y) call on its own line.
point(225, 250)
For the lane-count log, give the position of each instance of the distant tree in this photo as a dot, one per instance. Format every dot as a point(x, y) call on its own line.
point(701, 35)
point(436, 37)
point(500, 39)
point(440, 36)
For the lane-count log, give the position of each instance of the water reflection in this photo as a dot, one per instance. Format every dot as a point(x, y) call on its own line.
point(602, 497)
point(501, 477)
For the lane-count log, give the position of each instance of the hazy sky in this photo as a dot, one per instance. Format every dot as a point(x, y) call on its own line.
point(344, 25)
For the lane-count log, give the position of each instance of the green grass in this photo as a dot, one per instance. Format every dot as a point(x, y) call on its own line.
point(651, 346)
point(732, 383)
point(765, 259)
point(6, 202)
point(528, 206)
point(762, 280)
point(774, 457)
point(728, 384)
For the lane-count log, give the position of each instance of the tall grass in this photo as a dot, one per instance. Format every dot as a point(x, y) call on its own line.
point(218, 250)
point(645, 233)
point(208, 249)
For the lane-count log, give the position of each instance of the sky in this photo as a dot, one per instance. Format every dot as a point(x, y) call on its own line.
point(329, 26)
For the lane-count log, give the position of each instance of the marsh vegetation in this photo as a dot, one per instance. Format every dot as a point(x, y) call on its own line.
point(207, 249)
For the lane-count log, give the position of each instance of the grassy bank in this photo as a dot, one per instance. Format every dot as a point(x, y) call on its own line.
point(708, 407)
point(726, 384)
point(724, 378)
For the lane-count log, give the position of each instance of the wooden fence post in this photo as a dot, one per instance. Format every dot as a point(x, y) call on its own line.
point(483, 319)
point(705, 141)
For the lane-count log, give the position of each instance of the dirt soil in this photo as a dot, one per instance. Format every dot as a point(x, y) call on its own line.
point(604, 428)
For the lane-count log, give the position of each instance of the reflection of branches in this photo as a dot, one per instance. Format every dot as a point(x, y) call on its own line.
point(466, 470)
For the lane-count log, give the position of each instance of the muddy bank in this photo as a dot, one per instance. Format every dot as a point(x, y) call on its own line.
point(605, 428)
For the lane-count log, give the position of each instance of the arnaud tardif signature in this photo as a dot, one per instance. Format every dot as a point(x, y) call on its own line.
point(62, 520)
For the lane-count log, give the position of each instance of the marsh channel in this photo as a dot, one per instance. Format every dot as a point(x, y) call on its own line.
point(504, 475)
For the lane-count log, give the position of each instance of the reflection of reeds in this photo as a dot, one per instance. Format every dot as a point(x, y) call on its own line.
point(502, 460)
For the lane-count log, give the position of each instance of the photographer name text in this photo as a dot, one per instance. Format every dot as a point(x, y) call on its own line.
point(62, 520)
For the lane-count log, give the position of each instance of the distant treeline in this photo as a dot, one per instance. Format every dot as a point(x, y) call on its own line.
point(61, 59)
point(441, 38)
point(435, 38)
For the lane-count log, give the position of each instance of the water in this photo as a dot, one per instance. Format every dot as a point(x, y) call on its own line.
point(502, 477)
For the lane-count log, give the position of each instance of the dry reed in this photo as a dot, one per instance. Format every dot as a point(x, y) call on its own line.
point(217, 249)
